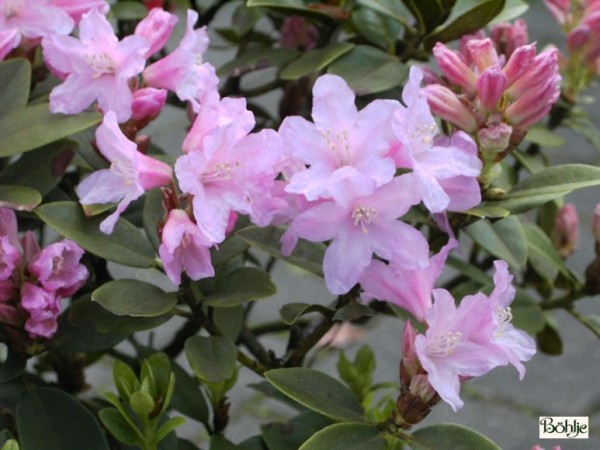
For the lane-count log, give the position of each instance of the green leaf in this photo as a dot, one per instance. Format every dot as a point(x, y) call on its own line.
point(317, 391)
point(119, 427)
point(124, 10)
point(252, 60)
point(168, 427)
point(527, 314)
point(13, 366)
point(549, 340)
point(240, 286)
point(218, 442)
point(582, 123)
point(30, 128)
point(229, 320)
point(49, 419)
point(592, 322)
point(488, 212)
point(473, 272)
point(212, 358)
point(86, 327)
point(450, 436)
point(353, 311)
point(467, 16)
point(141, 403)
point(232, 247)
point(546, 185)
point(291, 312)
point(126, 245)
point(153, 213)
point(21, 198)
point(504, 239)
point(244, 18)
point(315, 60)
point(11, 444)
point(544, 137)
point(378, 28)
point(347, 436)
point(428, 13)
point(187, 398)
point(15, 82)
point(512, 10)
point(368, 70)
point(290, 435)
point(134, 298)
point(41, 169)
point(390, 8)
point(290, 7)
point(307, 255)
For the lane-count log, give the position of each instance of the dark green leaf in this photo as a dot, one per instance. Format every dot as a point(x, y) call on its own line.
point(291, 312)
point(290, 435)
point(15, 82)
point(34, 126)
point(353, 311)
point(49, 419)
point(21, 198)
point(378, 28)
point(471, 271)
point(86, 326)
point(126, 245)
point(450, 436)
point(428, 13)
point(187, 398)
point(168, 427)
point(347, 436)
point(127, 10)
point(368, 70)
point(467, 16)
point(549, 340)
point(134, 298)
point(257, 59)
point(241, 286)
point(228, 250)
point(212, 358)
point(244, 18)
point(306, 255)
point(390, 8)
point(289, 6)
point(41, 169)
point(253, 443)
point(504, 239)
point(315, 60)
point(13, 366)
point(317, 391)
point(153, 213)
point(184, 444)
point(582, 123)
point(218, 442)
point(527, 314)
point(118, 426)
point(512, 10)
point(229, 320)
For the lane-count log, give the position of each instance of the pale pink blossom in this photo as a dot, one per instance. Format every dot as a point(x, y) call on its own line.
point(566, 230)
point(97, 66)
point(184, 248)
point(43, 308)
point(58, 268)
point(156, 28)
point(77, 8)
point(131, 173)
point(184, 71)
point(147, 104)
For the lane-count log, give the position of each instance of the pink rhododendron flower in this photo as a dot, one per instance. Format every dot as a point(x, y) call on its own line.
point(410, 289)
point(77, 8)
point(227, 169)
point(566, 230)
point(147, 104)
point(438, 165)
point(184, 248)
point(97, 66)
point(58, 269)
point(156, 28)
point(360, 221)
point(9, 258)
point(30, 19)
point(183, 71)
point(340, 137)
point(43, 308)
point(130, 174)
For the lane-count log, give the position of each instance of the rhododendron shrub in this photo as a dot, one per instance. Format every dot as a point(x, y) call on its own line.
point(399, 162)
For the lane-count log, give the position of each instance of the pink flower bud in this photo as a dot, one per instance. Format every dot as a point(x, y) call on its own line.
point(9, 258)
point(566, 230)
point(420, 387)
point(519, 62)
point(409, 364)
point(534, 105)
point(10, 315)
point(490, 87)
point(454, 68)
point(444, 103)
point(147, 104)
point(43, 308)
point(495, 139)
point(8, 225)
point(596, 223)
point(543, 68)
point(483, 53)
point(508, 37)
point(156, 28)
point(578, 37)
point(298, 34)
point(559, 8)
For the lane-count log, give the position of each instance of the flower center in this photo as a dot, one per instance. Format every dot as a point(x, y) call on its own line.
point(220, 171)
point(57, 265)
point(503, 318)
point(444, 344)
point(425, 133)
point(13, 8)
point(339, 144)
point(101, 63)
point(364, 216)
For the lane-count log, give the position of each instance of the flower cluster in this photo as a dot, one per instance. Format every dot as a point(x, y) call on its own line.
point(495, 89)
point(33, 280)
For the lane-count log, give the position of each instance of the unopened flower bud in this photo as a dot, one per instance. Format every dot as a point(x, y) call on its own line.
point(508, 37)
point(483, 53)
point(566, 230)
point(454, 68)
point(519, 62)
point(147, 104)
point(559, 8)
point(156, 28)
point(420, 387)
point(409, 364)
point(495, 138)
point(490, 87)
point(444, 103)
point(543, 68)
point(578, 37)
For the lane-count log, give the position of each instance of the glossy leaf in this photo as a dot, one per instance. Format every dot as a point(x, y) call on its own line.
point(187, 398)
point(257, 59)
point(290, 7)
point(232, 247)
point(315, 60)
point(134, 298)
point(353, 311)
point(549, 340)
point(152, 215)
point(390, 8)
point(504, 239)
point(512, 10)
point(212, 358)
point(34, 126)
point(317, 391)
point(41, 169)
point(13, 366)
point(21, 198)
point(450, 436)
point(229, 320)
point(527, 314)
point(15, 82)
point(291, 312)
point(240, 286)
point(307, 255)
point(218, 442)
point(379, 29)
point(428, 13)
point(467, 16)
point(347, 436)
point(116, 424)
point(368, 70)
point(50, 419)
point(126, 245)
point(291, 434)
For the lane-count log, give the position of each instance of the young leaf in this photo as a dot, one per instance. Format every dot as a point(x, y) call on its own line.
point(450, 436)
point(122, 430)
point(212, 358)
point(346, 436)
point(317, 391)
point(134, 298)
